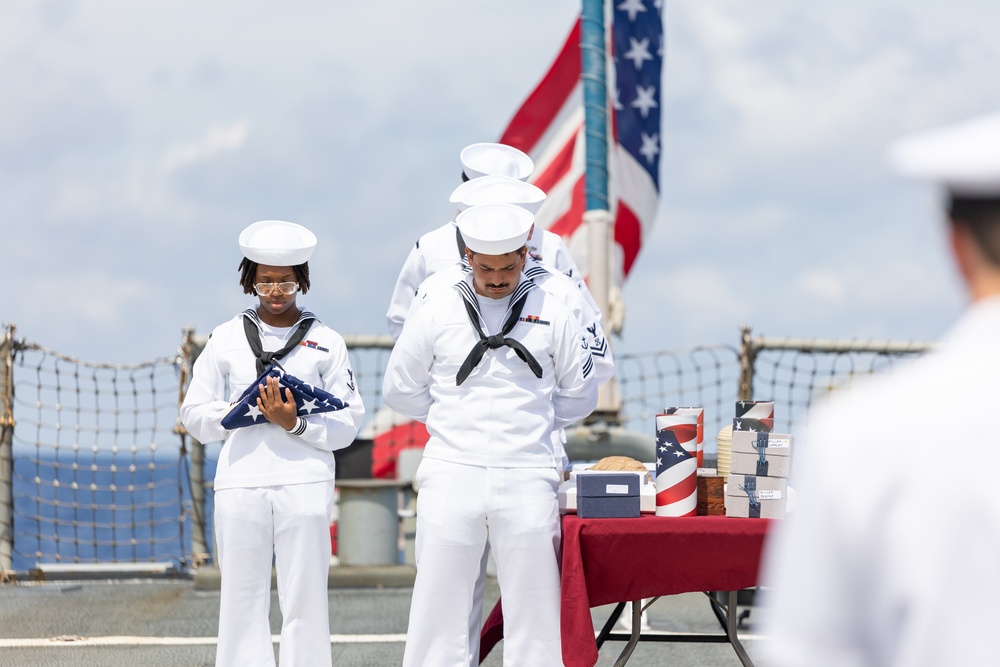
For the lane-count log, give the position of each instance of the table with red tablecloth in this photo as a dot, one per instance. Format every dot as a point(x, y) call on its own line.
point(621, 560)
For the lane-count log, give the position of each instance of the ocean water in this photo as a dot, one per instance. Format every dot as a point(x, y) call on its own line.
point(104, 506)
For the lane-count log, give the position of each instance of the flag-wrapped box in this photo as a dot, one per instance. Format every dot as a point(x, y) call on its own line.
point(756, 497)
point(607, 495)
point(754, 416)
point(568, 498)
point(762, 454)
point(755, 409)
point(752, 425)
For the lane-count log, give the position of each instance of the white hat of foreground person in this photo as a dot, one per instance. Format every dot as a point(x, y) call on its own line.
point(277, 243)
point(964, 158)
point(487, 159)
point(498, 190)
point(495, 229)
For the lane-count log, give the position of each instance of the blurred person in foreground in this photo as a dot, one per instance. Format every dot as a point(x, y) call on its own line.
point(893, 554)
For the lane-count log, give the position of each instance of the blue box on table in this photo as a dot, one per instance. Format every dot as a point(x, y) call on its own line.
point(608, 495)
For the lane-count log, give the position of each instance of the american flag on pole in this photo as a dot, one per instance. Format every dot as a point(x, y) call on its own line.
point(676, 477)
point(549, 128)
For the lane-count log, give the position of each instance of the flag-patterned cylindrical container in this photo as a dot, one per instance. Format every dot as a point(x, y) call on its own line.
point(700, 437)
point(676, 477)
point(684, 426)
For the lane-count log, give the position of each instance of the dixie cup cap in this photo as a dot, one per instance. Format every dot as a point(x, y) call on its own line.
point(486, 159)
point(498, 190)
point(964, 158)
point(277, 243)
point(495, 229)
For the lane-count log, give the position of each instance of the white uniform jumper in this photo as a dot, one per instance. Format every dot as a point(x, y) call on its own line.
point(891, 556)
point(489, 469)
point(273, 492)
point(566, 291)
point(442, 248)
point(549, 249)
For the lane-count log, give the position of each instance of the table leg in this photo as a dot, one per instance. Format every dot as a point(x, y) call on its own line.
point(732, 620)
point(636, 630)
point(609, 624)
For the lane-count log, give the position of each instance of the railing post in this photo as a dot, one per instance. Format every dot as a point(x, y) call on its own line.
point(7, 452)
point(747, 357)
point(200, 553)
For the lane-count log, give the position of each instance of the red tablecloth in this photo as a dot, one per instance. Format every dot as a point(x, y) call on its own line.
point(618, 560)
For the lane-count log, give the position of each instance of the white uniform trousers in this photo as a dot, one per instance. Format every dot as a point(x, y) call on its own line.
point(476, 614)
point(292, 523)
point(459, 509)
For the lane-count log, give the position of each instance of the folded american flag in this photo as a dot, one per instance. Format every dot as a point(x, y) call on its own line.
point(309, 400)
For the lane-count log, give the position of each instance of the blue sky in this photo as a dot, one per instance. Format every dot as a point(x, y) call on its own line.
point(138, 139)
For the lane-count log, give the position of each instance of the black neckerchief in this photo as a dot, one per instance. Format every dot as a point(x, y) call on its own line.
point(514, 307)
point(461, 242)
point(251, 321)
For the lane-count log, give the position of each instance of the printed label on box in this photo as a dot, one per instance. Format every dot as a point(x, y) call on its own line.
point(769, 495)
point(617, 488)
point(778, 442)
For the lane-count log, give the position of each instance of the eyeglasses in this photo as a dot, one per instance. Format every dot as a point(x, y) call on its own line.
point(266, 289)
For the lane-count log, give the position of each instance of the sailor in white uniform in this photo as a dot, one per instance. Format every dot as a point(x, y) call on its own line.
point(505, 190)
point(891, 557)
point(492, 366)
point(443, 247)
point(274, 487)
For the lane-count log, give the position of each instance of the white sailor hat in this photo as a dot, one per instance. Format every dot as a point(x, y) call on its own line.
point(494, 229)
point(486, 159)
point(964, 158)
point(277, 243)
point(498, 190)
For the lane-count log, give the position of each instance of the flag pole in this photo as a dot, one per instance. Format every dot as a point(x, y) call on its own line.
point(595, 110)
point(597, 216)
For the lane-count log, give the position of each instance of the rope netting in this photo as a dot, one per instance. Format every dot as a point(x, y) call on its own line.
point(98, 474)
point(797, 374)
point(705, 376)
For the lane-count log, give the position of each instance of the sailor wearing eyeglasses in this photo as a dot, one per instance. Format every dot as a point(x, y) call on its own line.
point(274, 486)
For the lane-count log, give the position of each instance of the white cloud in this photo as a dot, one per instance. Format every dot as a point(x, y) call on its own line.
point(99, 298)
point(219, 139)
point(74, 200)
point(804, 91)
point(685, 305)
point(822, 284)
